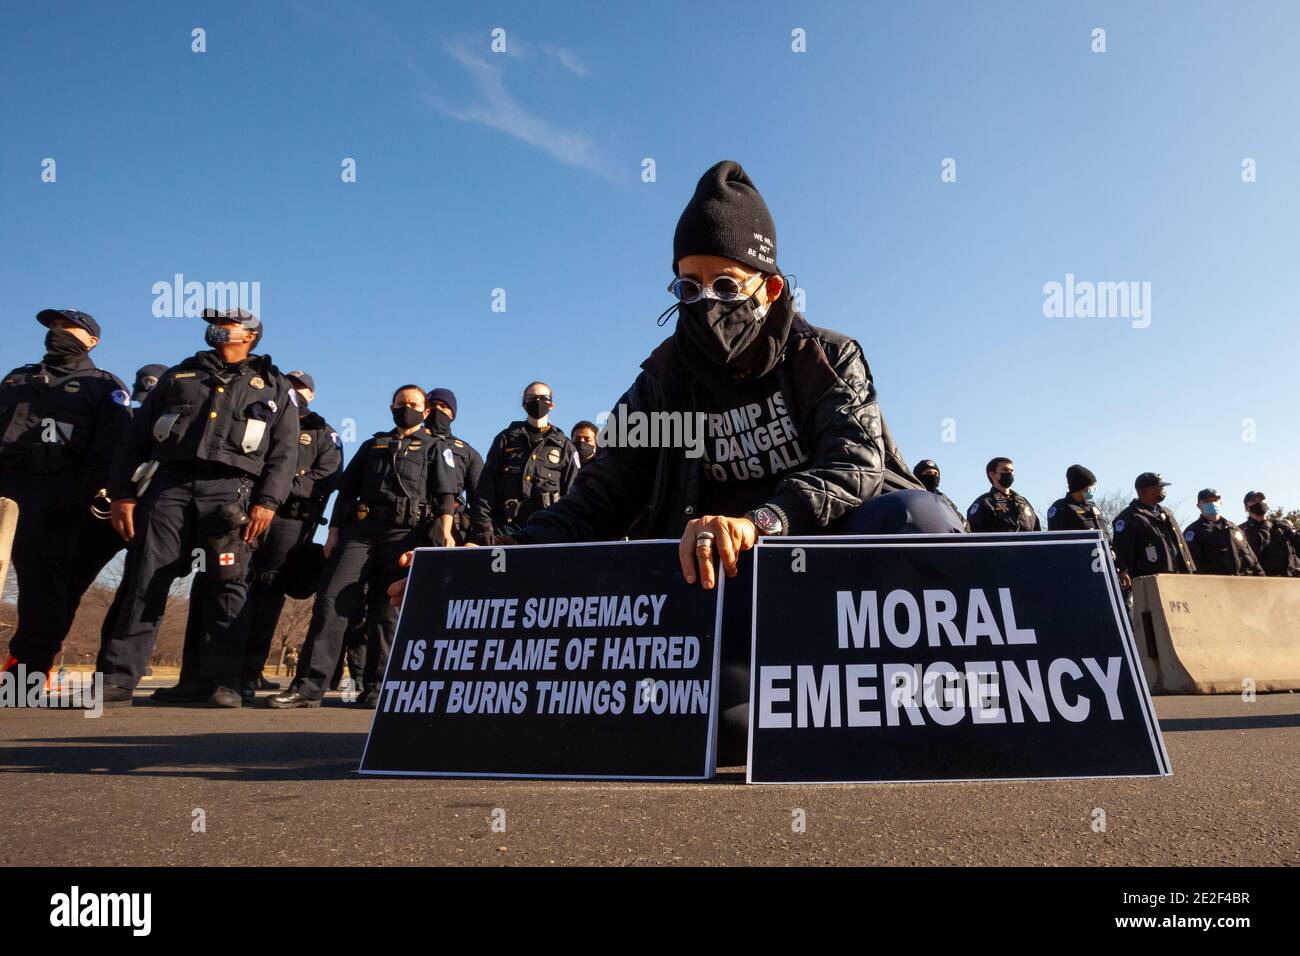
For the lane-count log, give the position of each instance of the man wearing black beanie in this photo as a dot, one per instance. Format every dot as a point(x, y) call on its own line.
point(1076, 511)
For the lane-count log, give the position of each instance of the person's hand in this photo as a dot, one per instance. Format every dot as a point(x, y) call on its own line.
point(259, 519)
point(397, 590)
point(445, 539)
point(331, 542)
point(730, 537)
point(1125, 581)
point(122, 517)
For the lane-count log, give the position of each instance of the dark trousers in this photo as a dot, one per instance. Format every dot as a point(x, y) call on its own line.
point(899, 512)
point(172, 522)
point(366, 558)
point(58, 551)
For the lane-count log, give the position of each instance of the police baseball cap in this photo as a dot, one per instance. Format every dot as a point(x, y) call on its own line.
point(1252, 494)
point(1150, 479)
point(1207, 494)
point(299, 377)
point(80, 319)
point(146, 378)
point(246, 319)
point(925, 464)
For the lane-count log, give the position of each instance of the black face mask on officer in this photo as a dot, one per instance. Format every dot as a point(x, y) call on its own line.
point(439, 422)
point(930, 479)
point(1258, 509)
point(1006, 479)
point(407, 417)
point(537, 406)
point(60, 343)
point(586, 450)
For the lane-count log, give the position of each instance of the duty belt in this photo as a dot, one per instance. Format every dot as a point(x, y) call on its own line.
point(403, 513)
point(303, 509)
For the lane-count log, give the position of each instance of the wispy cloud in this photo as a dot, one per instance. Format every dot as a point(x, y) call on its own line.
point(567, 59)
point(497, 108)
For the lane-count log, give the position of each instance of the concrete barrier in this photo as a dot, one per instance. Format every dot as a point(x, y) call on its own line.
point(1209, 634)
point(8, 523)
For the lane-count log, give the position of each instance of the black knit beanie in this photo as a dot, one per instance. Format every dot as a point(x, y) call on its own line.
point(1077, 478)
point(727, 217)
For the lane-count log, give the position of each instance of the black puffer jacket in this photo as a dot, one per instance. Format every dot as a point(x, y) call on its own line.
point(654, 492)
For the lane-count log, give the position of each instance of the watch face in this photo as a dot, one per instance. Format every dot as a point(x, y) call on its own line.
point(766, 521)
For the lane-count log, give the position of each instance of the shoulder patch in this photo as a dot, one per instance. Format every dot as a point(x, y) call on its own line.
point(1119, 524)
point(973, 508)
point(334, 437)
point(1189, 535)
point(1051, 512)
point(446, 456)
point(120, 396)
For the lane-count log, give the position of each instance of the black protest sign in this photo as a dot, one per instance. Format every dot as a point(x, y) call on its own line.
point(583, 660)
point(944, 657)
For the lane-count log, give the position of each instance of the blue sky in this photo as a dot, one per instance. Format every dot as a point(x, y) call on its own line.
point(522, 171)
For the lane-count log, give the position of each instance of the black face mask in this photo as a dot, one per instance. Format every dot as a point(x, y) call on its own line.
point(537, 407)
point(724, 341)
point(1257, 509)
point(62, 344)
point(586, 451)
point(440, 422)
point(1161, 498)
point(407, 417)
point(930, 480)
point(1005, 481)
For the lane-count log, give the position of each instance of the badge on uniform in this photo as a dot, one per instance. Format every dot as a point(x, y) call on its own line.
point(1151, 553)
point(120, 396)
point(256, 382)
point(553, 456)
point(1119, 524)
point(416, 443)
point(304, 438)
point(334, 437)
point(72, 387)
point(446, 456)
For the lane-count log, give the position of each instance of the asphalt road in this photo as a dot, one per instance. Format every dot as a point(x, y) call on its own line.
point(279, 787)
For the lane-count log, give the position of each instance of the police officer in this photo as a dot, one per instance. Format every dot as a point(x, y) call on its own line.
point(1216, 544)
point(1076, 511)
point(1147, 538)
point(1000, 508)
point(60, 419)
point(927, 473)
point(585, 438)
point(1269, 538)
point(383, 509)
point(209, 459)
point(530, 466)
point(146, 379)
point(458, 469)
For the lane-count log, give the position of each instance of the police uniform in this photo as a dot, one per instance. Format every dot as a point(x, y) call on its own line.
point(1220, 547)
point(1270, 540)
point(1147, 540)
point(458, 469)
point(60, 419)
point(527, 469)
point(998, 510)
point(320, 456)
point(382, 510)
point(224, 438)
point(1066, 514)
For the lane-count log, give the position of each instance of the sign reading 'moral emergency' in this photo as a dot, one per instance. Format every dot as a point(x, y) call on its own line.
point(952, 657)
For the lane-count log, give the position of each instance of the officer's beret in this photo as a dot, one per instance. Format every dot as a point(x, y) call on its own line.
point(82, 319)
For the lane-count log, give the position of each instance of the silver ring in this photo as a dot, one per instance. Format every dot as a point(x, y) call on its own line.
point(704, 541)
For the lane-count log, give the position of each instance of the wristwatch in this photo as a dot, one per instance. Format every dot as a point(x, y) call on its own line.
point(769, 521)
